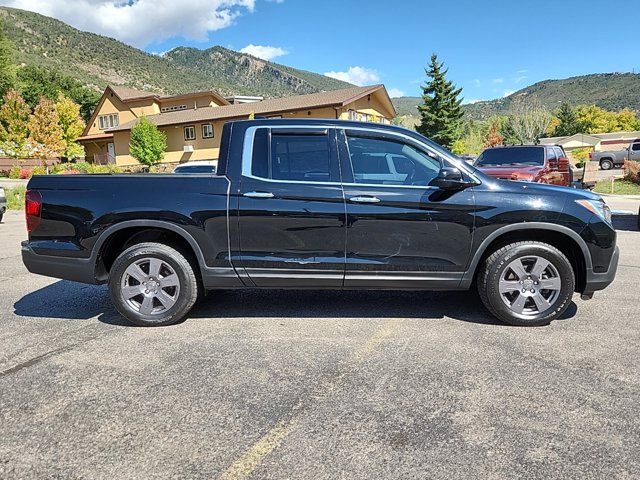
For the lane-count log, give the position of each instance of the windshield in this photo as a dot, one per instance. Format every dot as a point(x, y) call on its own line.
point(497, 157)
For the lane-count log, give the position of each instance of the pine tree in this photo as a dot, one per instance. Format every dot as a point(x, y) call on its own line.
point(14, 125)
point(147, 144)
point(7, 68)
point(568, 122)
point(441, 111)
point(71, 124)
point(46, 136)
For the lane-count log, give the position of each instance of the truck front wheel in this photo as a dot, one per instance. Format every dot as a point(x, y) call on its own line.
point(152, 284)
point(526, 283)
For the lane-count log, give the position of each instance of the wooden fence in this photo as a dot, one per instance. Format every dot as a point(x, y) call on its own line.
point(7, 163)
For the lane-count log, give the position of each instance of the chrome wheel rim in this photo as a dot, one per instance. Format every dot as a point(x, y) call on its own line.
point(150, 286)
point(530, 285)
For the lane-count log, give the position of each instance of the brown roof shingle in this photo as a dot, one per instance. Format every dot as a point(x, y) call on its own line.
point(126, 93)
point(299, 102)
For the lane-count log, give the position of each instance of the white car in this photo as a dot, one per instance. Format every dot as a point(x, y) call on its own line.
point(205, 166)
point(3, 203)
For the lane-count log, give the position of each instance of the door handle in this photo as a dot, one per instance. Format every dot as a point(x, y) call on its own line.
point(258, 195)
point(364, 199)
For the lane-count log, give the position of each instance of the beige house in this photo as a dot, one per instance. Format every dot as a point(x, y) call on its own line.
point(193, 122)
point(598, 142)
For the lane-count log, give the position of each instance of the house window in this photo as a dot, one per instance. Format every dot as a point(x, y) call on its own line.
point(207, 130)
point(174, 108)
point(190, 132)
point(108, 121)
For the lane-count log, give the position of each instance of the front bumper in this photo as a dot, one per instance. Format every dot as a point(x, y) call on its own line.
point(75, 269)
point(600, 281)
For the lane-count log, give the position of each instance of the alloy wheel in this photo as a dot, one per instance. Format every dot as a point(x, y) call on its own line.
point(530, 285)
point(150, 286)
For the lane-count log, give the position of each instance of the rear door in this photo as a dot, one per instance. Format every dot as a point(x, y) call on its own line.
point(292, 221)
point(402, 232)
point(634, 151)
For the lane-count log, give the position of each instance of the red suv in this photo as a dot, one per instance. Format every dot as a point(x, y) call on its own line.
point(528, 163)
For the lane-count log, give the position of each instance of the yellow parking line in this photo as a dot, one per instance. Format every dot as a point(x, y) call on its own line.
point(244, 466)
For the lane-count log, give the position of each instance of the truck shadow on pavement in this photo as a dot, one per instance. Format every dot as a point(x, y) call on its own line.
point(73, 301)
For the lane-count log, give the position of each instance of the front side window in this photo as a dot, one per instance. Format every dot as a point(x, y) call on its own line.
point(190, 133)
point(299, 157)
point(635, 147)
point(381, 161)
point(108, 121)
point(207, 130)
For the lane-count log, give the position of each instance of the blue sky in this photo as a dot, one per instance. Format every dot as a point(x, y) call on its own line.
point(490, 47)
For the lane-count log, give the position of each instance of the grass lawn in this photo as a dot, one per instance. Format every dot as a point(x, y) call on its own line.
point(15, 197)
point(620, 187)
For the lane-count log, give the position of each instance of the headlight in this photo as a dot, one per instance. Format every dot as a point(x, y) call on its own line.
point(598, 207)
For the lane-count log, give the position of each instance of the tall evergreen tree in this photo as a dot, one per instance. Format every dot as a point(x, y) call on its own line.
point(569, 124)
point(7, 68)
point(441, 110)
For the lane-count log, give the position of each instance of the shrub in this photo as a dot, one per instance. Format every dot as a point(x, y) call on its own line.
point(38, 171)
point(15, 197)
point(83, 167)
point(632, 171)
point(14, 172)
point(25, 173)
point(70, 171)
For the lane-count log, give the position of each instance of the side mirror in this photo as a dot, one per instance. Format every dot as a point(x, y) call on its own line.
point(450, 178)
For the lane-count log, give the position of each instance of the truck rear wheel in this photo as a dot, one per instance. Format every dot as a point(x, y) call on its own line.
point(527, 283)
point(152, 284)
point(606, 164)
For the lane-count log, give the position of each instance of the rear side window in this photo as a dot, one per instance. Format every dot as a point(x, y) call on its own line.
point(300, 158)
point(635, 147)
point(559, 152)
point(551, 155)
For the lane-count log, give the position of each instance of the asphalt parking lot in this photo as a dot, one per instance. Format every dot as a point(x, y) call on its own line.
point(316, 384)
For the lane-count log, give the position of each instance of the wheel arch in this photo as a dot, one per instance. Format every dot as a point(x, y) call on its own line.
point(118, 237)
point(563, 238)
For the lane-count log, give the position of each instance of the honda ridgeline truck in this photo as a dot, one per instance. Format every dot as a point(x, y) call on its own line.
point(321, 204)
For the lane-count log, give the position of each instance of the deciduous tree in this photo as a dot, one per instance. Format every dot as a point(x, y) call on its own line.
point(14, 125)
point(71, 124)
point(528, 120)
point(45, 132)
point(494, 137)
point(441, 110)
point(147, 144)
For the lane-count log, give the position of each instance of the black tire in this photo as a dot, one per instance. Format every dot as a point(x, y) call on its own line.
point(1, 215)
point(606, 164)
point(497, 266)
point(184, 295)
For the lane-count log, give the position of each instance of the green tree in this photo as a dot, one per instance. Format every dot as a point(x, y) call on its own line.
point(14, 125)
point(71, 124)
point(7, 67)
point(147, 144)
point(441, 110)
point(45, 132)
point(567, 121)
point(36, 82)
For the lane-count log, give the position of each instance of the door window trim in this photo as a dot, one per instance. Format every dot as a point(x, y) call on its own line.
point(247, 153)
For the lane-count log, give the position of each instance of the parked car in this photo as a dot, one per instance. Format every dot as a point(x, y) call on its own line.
point(314, 204)
point(204, 166)
point(3, 203)
point(609, 160)
point(528, 163)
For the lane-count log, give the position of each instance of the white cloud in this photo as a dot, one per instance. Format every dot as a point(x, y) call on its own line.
point(471, 101)
point(395, 93)
point(356, 75)
point(264, 52)
point(141, 22)
point(520, 78)
point(497, 80)
point(506, 93)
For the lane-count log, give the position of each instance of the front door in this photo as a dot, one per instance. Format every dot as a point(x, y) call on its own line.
point(112, 153)
point(402, 233)
point(292, 222)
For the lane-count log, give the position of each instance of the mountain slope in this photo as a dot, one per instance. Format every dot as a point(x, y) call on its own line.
point(612, 91)
point(96, 61)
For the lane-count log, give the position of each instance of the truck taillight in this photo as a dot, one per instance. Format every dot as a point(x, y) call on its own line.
point(590, 155)
point(33, 209)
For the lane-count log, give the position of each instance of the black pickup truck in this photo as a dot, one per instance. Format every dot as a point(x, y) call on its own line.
point(321, 204)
